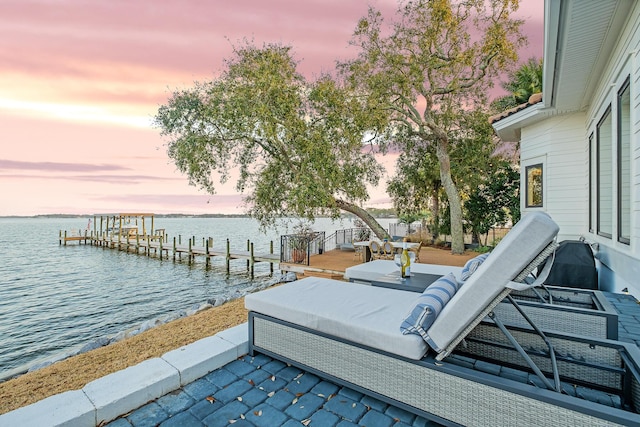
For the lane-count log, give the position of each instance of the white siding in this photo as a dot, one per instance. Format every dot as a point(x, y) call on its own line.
point(561, 143)
point(635, 149)
point(621, 262)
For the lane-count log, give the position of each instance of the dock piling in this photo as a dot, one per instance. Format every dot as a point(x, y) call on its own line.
point(228, 257)
point(248, 250)
point(174, 248)
point(251, 260)
point(207, 257)
point(271, 252)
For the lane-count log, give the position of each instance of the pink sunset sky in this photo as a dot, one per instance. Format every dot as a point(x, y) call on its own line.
point(81, 80)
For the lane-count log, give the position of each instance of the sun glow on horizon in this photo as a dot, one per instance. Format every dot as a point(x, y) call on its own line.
point(73, 112)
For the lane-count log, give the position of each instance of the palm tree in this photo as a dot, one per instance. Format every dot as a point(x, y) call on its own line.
point(522, 83)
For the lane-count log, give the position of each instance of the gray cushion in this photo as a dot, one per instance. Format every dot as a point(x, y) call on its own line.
point(471, 266)
point(515, 251)
point(429, 305)
point(362, 314)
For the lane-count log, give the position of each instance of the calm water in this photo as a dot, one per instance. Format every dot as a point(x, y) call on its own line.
point(55, 298)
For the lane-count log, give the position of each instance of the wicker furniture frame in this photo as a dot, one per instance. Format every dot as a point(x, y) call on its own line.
point(580, 312)
point(570, 310)
point(442, 391)
point(445, 393)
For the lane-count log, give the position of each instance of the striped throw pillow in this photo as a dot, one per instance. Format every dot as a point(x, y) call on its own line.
point(472, 265)
point(429, 305)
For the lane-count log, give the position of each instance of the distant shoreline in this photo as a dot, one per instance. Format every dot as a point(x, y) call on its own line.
point(174, 215)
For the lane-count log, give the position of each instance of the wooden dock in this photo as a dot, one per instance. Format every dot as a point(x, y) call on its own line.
point(331, 263)
point(128, 232)
point(159, 247)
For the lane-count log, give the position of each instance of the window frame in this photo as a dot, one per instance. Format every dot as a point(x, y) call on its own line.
point(592, 151)
point(626, 86)
point(607, 114)
point(539, 165)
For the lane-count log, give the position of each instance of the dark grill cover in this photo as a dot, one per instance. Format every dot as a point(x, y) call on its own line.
point(574, 266)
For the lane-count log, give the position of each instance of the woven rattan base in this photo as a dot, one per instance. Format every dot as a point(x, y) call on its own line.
point(439, 390)
point(579, 360)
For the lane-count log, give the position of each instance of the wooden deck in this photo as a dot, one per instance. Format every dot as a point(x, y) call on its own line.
point(330, 264)
point(334, 263)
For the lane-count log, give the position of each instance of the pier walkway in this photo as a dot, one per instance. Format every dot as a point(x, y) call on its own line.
point(158, 246)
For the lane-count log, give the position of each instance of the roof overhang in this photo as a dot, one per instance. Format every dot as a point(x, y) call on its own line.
point(508, 128)
point(579, 39)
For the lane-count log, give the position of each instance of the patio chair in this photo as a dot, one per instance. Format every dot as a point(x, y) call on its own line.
point(375, 249)
point(314, 324)
point(358, 252)
point(387, 251)
point(416, 251)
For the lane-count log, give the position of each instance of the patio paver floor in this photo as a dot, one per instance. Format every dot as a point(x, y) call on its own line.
point(263, 392)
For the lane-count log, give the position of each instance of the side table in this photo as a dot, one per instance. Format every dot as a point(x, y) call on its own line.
point(417, 282)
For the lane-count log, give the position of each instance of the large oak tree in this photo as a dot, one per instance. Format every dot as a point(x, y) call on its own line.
point(300, 146)
point(429, 68)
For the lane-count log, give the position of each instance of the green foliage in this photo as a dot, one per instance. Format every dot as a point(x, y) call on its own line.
point(416, 187)
point(410, 219)
point(522, 83)
point(483, 249)
point(297, 144)
point(492, 202)
point(428, 71)
point(416, 178)
point(362, 232)
point(302, 234)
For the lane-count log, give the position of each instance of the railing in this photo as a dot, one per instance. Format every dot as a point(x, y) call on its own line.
point(344, 237)
point(298, 248)
point(402, 229)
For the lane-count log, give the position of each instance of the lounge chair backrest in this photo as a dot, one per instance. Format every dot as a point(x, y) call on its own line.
point(530, 236)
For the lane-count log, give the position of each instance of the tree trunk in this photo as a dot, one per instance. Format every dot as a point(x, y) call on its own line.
point(455, 205)
point(365, 216)
point(435, 214)
point(475, 237)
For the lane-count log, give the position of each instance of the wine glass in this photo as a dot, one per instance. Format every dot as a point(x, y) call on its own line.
point(397, 260)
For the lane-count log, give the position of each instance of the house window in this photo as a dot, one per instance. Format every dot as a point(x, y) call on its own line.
point(604, 185)
point(624, 164)
point(534, 186)
point(591, 174)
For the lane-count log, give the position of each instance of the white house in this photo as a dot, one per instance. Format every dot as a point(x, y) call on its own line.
point(580, 140)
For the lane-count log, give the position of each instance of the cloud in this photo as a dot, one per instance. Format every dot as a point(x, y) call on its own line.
point(106, 179)
point(178, 203)
point(58, 166)
point(176, 198)
point(81, 81)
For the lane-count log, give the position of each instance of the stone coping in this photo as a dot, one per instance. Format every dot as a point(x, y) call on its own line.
point(107, 398)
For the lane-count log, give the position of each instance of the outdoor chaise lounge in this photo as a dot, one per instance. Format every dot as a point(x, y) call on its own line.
point(560, 309)
point(350, 333)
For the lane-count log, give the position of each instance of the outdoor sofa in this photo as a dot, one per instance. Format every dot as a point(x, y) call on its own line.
point(350, 334)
